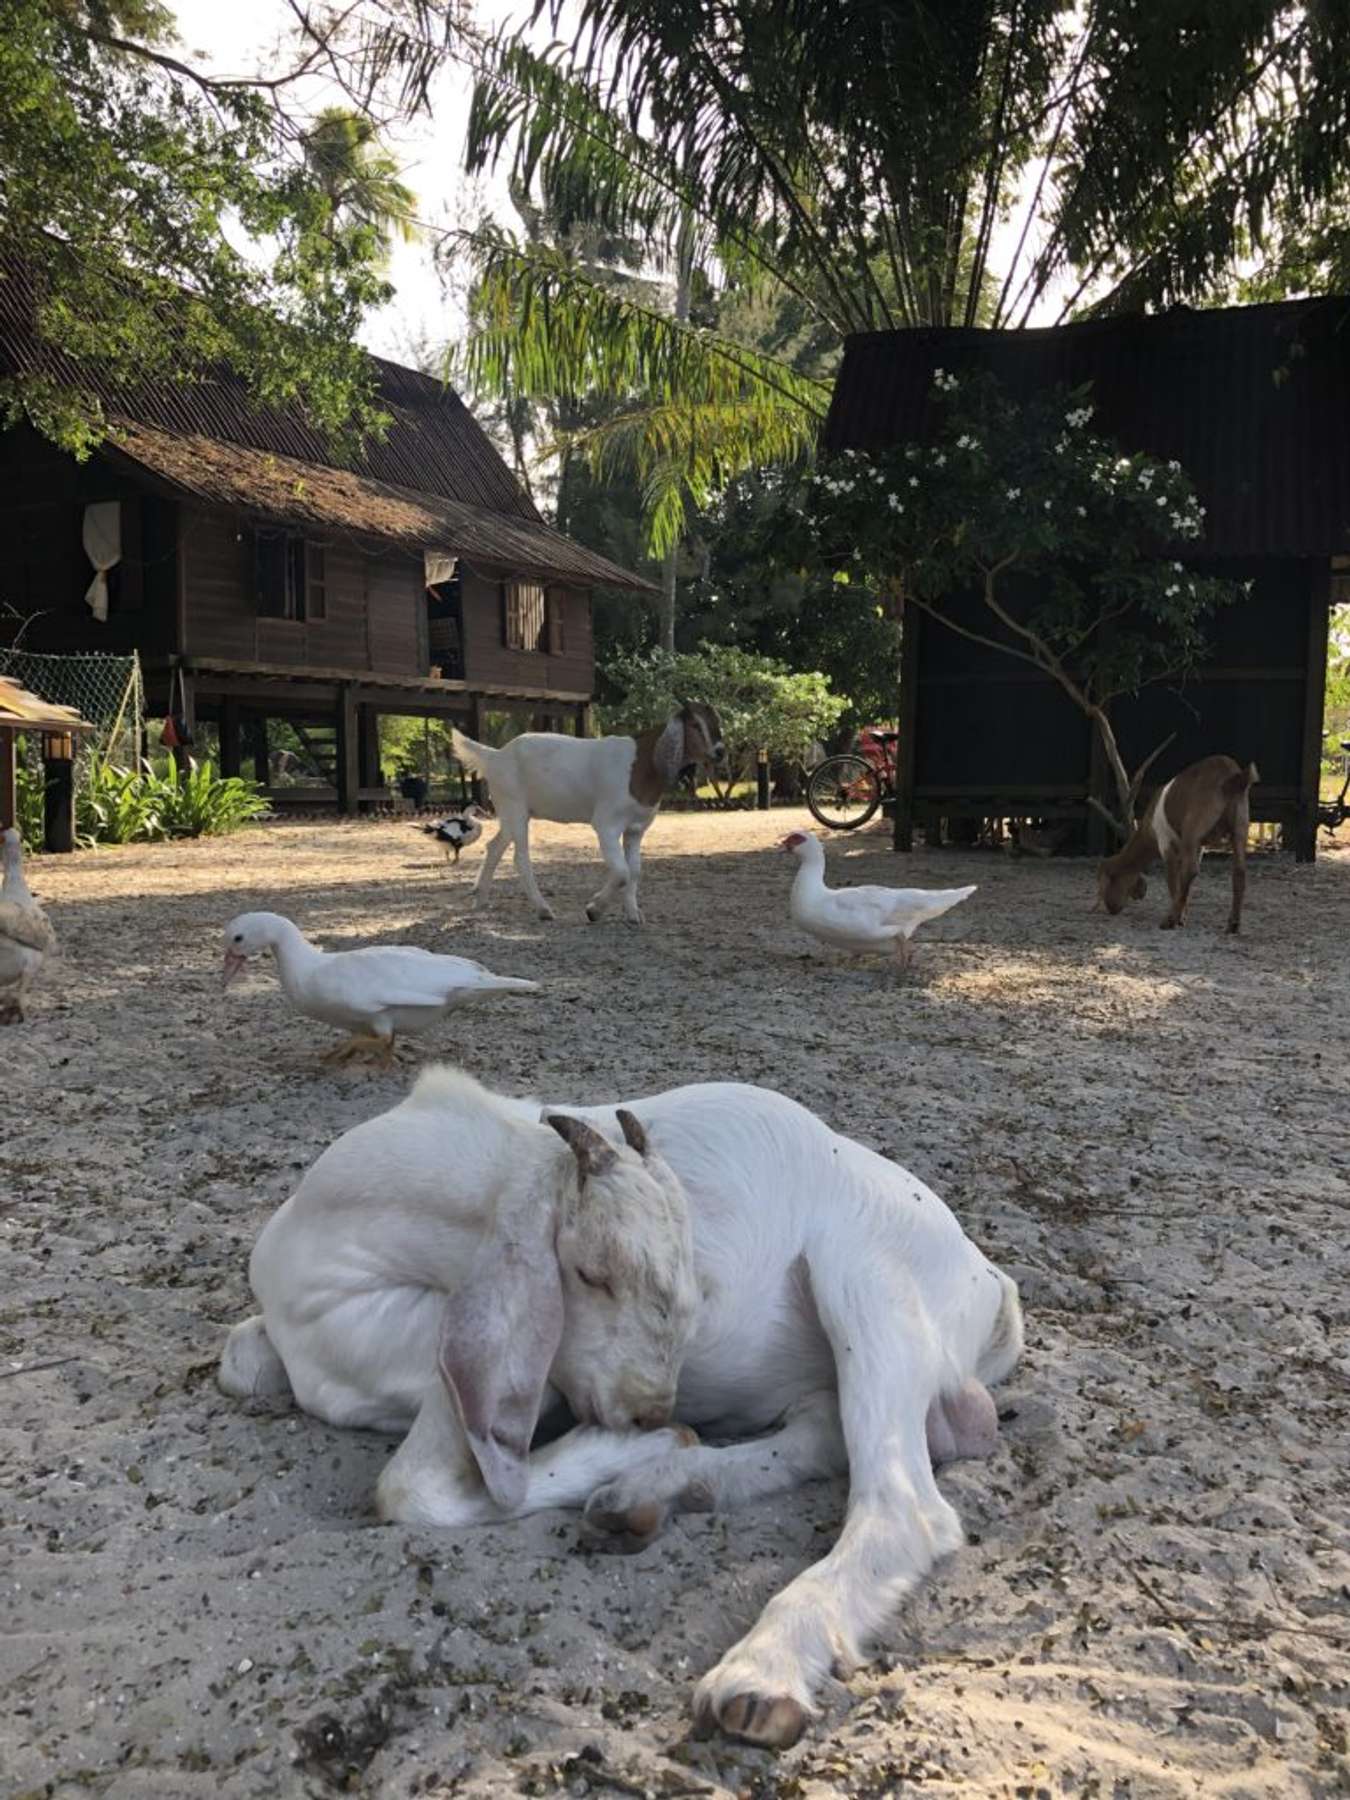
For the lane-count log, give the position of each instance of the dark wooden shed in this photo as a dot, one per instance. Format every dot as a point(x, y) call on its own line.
point(1254, 402)
point(260, 578)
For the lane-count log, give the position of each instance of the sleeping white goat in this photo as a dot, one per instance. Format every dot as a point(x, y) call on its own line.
point(729, 1262)
point(613, 784)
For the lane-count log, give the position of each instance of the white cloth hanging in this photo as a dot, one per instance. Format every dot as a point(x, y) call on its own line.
point(103, 547)
point(438, 566)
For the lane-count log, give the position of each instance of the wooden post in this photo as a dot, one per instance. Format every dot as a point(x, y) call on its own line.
point(368, 731)
point(229, 737)
point(184, 688)
point(910, 618)
point(582, 723)
point(58, 803)
point(348, 751)
point(257, 748)
point(9, 797)
point(475, 731)
point(1314, 701)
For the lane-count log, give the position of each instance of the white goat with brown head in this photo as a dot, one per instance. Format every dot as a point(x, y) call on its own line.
point(613, 784)
point(1208, 803)
point(714, 1257)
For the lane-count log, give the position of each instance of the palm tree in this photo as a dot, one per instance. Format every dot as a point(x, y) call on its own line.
point(359, 176)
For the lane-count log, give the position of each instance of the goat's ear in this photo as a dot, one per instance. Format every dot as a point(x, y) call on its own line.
point(668, 751)
point(1140, 888)
point(594, 1154)
point(501, 1333)
point(633, 1134)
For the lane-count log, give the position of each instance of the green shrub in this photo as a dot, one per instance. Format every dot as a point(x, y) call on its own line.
point(30, 802)
point(202, 803)
point(762, 704)
point(114, 805)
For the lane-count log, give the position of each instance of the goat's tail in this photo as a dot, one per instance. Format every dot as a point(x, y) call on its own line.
point(1242, 782)
point(475, 757)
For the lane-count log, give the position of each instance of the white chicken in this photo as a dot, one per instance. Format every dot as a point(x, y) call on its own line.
point(25, 936)
point(458, 831)
point(374, 994)
point(861, 920)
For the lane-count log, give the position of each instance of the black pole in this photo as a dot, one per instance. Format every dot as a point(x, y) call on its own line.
point(58, 803)
point(762, 781)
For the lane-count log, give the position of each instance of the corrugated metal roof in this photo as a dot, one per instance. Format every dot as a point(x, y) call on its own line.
point(1252, 401)
point(292, 492)
point(433, 443)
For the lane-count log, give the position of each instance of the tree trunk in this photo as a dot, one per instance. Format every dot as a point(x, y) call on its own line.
point(684, 268)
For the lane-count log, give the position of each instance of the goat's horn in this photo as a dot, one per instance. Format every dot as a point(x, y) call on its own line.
point(593, 1153)
point(633, 1134)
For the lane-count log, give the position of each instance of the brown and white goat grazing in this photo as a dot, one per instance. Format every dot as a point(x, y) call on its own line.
point(1206, 804)
point(613, 784)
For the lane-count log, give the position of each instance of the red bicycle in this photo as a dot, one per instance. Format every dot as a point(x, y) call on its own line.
point(844, 792)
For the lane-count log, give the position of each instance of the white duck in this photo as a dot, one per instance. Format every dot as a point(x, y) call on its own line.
point(458, 831)
point(374, 993)
point(861, 920)
point(25, 936)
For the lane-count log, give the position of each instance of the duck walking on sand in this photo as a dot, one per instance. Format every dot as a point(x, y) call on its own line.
point(375, 994)
point(457, 831)
point(861, 920)
point(26, 938)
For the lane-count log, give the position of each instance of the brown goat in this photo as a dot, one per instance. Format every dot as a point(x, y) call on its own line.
point(1205, 804)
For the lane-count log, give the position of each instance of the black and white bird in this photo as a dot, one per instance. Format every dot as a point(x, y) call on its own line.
point(458, 830)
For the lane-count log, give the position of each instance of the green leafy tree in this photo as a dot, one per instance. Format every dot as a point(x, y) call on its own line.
point(856, 158)
point(131, 181)
point(762, 704)
point(1022, 530)
point(358, 176)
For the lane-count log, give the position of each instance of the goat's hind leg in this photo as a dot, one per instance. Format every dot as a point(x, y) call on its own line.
point(250, 1368)
point(491, 857)
point(525, 869)
point(626, 1514)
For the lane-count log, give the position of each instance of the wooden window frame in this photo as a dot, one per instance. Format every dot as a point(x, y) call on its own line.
point(555, 621)
point(524, 612)
point(301, 594)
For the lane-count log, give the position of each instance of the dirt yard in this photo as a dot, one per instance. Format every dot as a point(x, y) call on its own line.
point(1148, 1129)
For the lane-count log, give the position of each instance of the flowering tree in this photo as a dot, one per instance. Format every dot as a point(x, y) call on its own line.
point(1065, 543)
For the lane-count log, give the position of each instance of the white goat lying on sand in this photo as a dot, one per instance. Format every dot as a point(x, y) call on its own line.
point(450, 1269)
point(614, 784)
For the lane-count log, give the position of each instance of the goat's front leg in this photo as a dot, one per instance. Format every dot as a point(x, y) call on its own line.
point(1183, 865)
point(897, 1525)
point(628, 1513)
point(611, 848)
point(632, 852)
point(432, 1478)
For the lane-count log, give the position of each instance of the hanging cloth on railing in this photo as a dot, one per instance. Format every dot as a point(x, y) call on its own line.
point(103, 547)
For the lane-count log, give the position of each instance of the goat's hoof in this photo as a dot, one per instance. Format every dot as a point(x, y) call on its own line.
point(622, 1531)
point(592, 914)
point(546, 913)
point(775, 1721)
point(633, 919)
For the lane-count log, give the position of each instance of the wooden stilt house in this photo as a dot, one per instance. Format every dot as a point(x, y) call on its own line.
point(260, 579)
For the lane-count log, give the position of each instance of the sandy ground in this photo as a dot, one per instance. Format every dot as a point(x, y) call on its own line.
point(1148, 1129)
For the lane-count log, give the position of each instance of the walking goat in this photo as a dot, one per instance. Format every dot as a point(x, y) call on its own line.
point(614, 784)
point(1208, 803)
point(714, 1257)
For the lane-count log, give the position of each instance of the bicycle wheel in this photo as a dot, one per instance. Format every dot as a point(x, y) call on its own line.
point(843, 792)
